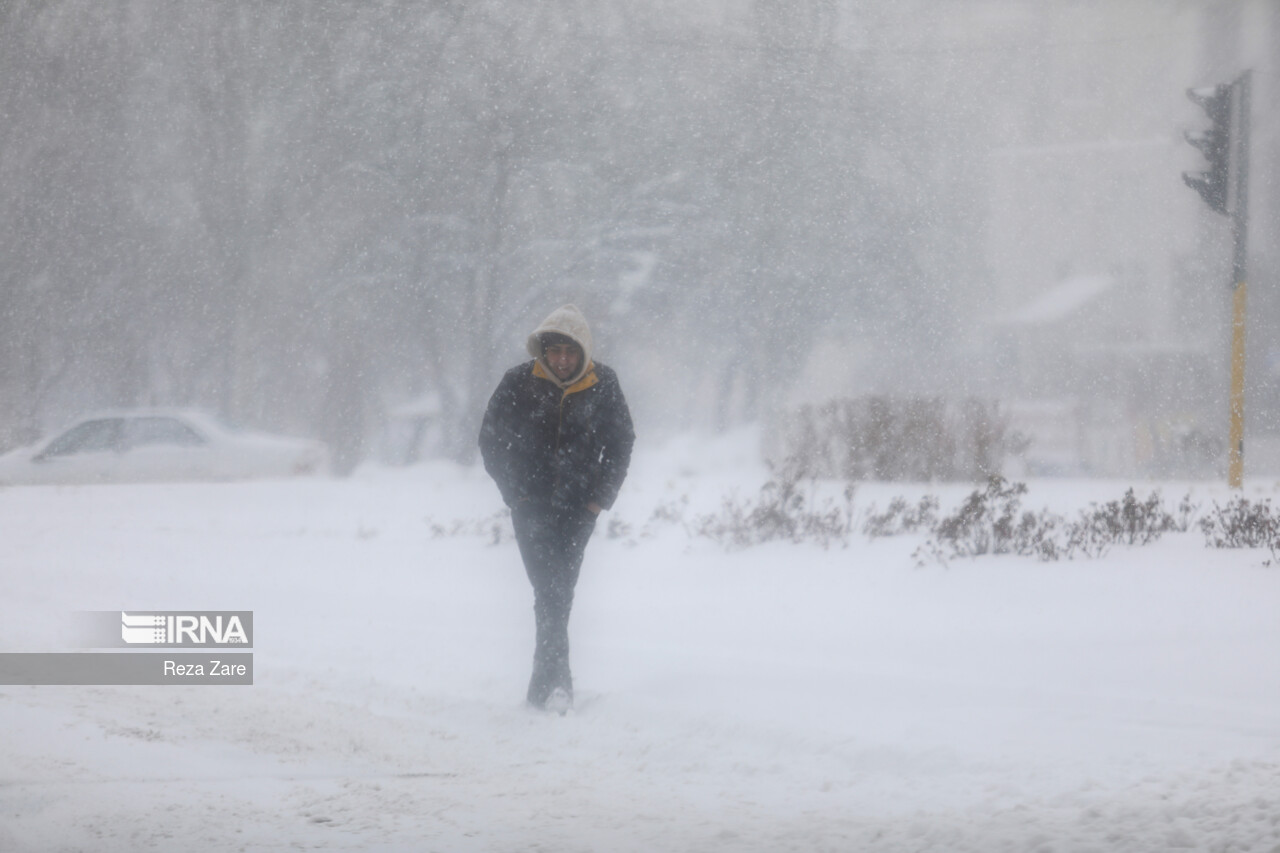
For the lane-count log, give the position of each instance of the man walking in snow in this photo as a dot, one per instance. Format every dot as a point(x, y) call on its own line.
point(556, 438)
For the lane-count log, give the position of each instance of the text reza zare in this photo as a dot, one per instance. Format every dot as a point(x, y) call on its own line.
point(215, 669)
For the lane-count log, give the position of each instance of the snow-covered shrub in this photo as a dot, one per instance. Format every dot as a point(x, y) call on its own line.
point(898, 439)
point(1243, 524)
point(671, 512)
point(1127, 521)
point(496, 527)
point(901, 518)
point(991, 521)
point(617, 528)
point(782, 510)
point(1187, 511)
point(667, 514)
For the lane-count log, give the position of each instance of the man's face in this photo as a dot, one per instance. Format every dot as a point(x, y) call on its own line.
point(563, 359)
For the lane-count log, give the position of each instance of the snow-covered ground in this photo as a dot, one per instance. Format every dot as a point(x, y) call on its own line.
point(780, 698)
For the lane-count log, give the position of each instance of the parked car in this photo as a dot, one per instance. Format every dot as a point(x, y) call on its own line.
point(159, 445)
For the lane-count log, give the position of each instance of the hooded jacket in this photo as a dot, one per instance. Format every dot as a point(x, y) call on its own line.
point(566, 320)
point(565, 443)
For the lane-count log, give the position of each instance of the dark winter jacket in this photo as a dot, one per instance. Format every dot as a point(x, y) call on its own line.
point(563, 446)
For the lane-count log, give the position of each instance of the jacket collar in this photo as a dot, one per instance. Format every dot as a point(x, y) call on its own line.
point(588, 379)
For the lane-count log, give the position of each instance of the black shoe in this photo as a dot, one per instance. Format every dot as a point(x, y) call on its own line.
point(560, 701)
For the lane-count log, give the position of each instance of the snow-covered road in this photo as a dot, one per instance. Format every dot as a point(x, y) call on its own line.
point(780, 698)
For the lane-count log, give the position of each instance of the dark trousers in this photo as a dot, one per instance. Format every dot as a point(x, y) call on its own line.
point(551, 542)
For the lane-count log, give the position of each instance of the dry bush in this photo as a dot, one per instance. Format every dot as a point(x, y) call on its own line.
point(1243, 524)
point(917, 439)
point(785, 509)
point(992, 521)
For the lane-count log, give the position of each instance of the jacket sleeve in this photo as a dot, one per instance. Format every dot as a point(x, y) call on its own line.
point(615, 453)
point(498, 440)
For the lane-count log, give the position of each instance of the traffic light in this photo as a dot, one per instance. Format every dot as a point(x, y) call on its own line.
point(1215, 143)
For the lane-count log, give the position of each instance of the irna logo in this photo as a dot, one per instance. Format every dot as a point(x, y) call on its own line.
point(220, 628)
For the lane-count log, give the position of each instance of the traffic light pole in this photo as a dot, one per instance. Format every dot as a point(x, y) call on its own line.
point(1239, 274)
point(1235, 459)
point(1225, 188)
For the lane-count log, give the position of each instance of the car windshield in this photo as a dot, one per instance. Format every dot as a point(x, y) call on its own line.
point(89, 437)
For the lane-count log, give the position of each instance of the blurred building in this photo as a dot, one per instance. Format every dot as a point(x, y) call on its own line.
point(1109, 293)
point(1096, 294)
